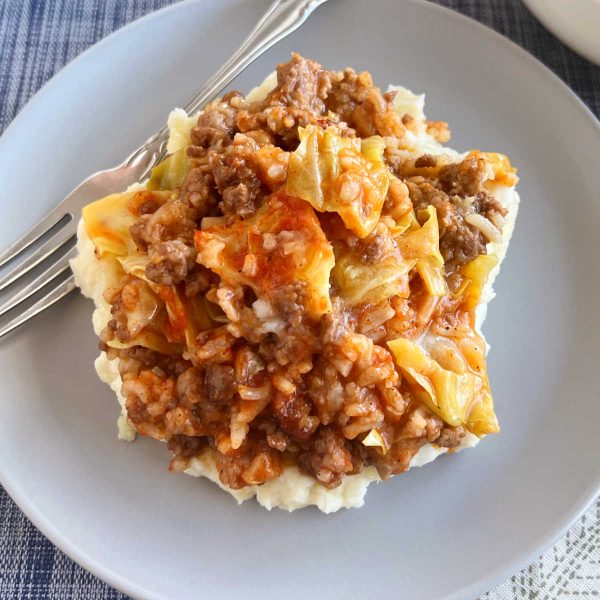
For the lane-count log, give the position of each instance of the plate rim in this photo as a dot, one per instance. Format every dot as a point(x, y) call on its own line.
point(82, 558)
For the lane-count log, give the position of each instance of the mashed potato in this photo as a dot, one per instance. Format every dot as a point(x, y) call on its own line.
point(293, 489)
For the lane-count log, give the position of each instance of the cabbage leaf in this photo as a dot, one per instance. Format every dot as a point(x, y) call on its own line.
point(457, 398)
point(164, 318)
point(187, 317)
point(423, 245)
point(282, 244)
point(499, 168)
point(333, 174)
point(151, 339)
point(360, 283)
point(108, 220)
point(476, 274)
point(171, 172)
point(416, 246)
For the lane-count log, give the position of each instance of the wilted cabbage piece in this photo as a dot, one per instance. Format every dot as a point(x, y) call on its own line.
point(148, 320)
point(171, 172)
point(359, 283)
point(476, 274)
point(375, 439)
point(423, 245)
point(150, 338)
point(186, 317)
point(412, 246)
point(135, 264)
point(333, 174)
point(282, 244)
point(163, 319)
point(499, 167)
point(107, 221)
point(457, 398)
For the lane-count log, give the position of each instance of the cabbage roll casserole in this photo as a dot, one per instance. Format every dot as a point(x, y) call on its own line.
point(293, 300)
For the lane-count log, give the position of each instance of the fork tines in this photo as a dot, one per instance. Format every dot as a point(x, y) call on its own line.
point(39, 258)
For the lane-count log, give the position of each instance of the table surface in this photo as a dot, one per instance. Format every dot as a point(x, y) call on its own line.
point(30, 566)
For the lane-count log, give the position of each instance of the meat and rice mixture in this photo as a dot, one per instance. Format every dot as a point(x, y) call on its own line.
point(297, 284)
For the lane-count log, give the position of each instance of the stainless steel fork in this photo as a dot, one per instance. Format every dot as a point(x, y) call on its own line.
point(53, 237)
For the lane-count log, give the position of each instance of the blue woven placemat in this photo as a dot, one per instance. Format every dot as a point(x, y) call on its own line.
point(37, 38)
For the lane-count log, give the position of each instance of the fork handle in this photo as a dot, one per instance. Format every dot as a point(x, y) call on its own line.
point(282, 18)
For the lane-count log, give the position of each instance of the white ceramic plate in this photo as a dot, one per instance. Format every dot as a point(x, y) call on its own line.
point(450, 530)
point(575, 22)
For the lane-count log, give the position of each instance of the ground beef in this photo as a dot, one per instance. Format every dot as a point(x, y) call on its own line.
point(426, 160)
point(294, 338)
point(236, 178)
point(190, 387)
point(137, 358)
point(252, 464)
point(170, 262)
point(376, 246)
point(438, 130)
point(460, 242)
point(167, 235)
point(172, 221)
point(149, 397)
point(199, 190)
point(297, 101)
point(464, 178)
point(488, 206)
point(337, 324)
point(220, 382)
point(362, 105)
point(288, 301)
point(198, 281)
point(143, 203)
point(301, 84)
point(183, 448)
point(374, 251)
point(451, 437)
point(398, 457)
point(420, 427)
point(293, 415)
point(328, 457)
point(209, 413)
point(215, 127)
point(455, 193)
